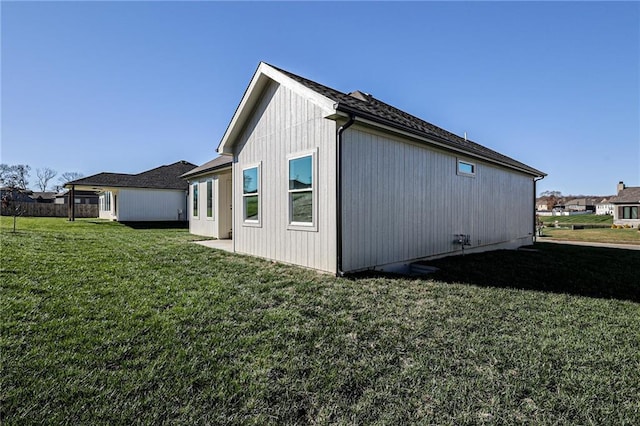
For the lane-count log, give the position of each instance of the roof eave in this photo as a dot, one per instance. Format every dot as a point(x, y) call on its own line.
point(389, 125)
point(264, 74)
point(207, 171)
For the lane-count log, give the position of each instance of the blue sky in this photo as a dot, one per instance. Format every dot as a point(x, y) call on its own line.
point(128, 86)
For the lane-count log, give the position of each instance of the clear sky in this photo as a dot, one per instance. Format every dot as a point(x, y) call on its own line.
point(128, 86)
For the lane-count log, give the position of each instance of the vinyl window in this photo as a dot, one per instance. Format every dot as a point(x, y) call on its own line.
point(630, 212)
point(251, 195)
point(466, 168)
point(210, 199)
point(302, 191)
point(195, 199)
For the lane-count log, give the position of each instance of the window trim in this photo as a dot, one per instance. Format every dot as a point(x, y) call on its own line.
point(630, 210)
point(304, 226)
point(252, 222)
point(210, 199)
point(473, 165)
point(195, 201)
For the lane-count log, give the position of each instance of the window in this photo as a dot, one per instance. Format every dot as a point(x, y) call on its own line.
point(251, 194)
point(210, 198)
point(630, 212)
point(466, 168)
point(106, 201)
point(301, 191)
point(195, 199)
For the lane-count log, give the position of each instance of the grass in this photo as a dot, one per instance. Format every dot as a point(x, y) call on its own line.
point(602, 235)
point(106, 324)
point(582, 219)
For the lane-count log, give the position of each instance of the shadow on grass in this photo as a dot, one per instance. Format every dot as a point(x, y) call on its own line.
point(158, 225)
point(557, 268)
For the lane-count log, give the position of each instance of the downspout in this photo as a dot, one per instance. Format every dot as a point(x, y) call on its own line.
point(535, 181)
point(341, 129)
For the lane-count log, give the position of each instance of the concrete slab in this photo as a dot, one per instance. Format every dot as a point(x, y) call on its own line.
point(226, 245)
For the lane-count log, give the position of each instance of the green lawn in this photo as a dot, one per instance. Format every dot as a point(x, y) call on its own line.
point(578, 219)
point(602, 235)
point(106, 324)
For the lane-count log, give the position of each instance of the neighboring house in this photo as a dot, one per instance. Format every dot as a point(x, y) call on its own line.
point(155, 195)
point(44, 197)
point(344, 182)
point(542, 204)
point(210, 198)
point(604, 207)
point(626, 210)
point(580, 205)
point(17, 195)
point(80, 197)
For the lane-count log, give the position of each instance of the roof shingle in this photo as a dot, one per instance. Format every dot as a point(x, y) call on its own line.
point(163, 177)
point(366, 105)
point(628, 195)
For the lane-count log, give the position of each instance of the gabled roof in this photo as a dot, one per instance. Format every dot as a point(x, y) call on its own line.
point(163, 177)
point(218, 163)
point(44, 195)
point(628, 195)
point(365, 108)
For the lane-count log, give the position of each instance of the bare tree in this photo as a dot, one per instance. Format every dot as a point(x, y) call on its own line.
point(14, 181)
point(16, 176)
point(44, 176)
point(68, 177)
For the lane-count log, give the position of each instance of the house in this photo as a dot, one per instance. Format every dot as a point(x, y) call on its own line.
point(604, 207)
point(345, 182)
point(44, 197)
point(210, 198)
point(580, 205)
point(80, 197)
point(626, 206)
point(158, 194)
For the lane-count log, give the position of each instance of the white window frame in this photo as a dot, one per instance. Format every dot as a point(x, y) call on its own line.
point(106, 201)
point(252, 222)
point(210, 198)
point(195, 200)
point(304, 226)
point(473, 165)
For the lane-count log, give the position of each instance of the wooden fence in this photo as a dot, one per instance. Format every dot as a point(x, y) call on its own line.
point(52, 210)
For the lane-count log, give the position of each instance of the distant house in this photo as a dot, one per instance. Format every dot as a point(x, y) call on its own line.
point(158, 194)
point(17, 195)
point(626, 204)
point(79, 197)
point(604, 207)
point(210, 198)
point(345, 182)
point(580, 205)
point(44, 197)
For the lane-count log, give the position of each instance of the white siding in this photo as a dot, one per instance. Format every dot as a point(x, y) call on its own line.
point(150, 205)
point(218, 226)
point(282, 124)
point(404, 201)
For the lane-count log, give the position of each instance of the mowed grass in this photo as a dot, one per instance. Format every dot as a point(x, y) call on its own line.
point(578, 219)
point(105, 324)
point(601, 235)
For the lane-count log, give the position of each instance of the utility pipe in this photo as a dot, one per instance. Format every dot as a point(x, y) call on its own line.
point(339, 132)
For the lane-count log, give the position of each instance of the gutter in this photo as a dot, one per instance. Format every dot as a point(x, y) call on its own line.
point(435, 140)
point(339, 132)
point(535, 181)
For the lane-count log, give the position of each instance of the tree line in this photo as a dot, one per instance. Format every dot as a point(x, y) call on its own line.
point(17, 176)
